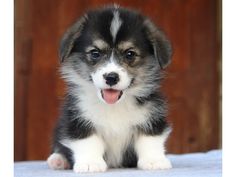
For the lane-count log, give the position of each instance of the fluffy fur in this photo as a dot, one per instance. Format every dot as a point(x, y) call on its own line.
point(115, 121)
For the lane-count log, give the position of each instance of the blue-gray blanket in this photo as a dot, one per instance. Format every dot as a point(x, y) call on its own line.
point(186, 165)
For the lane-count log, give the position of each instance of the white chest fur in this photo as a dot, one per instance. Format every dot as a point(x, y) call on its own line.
point(113, 123)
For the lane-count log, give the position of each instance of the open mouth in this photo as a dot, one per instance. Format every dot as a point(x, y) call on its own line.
point(111, 96)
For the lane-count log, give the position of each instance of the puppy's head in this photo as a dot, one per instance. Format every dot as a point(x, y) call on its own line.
point(115, 50)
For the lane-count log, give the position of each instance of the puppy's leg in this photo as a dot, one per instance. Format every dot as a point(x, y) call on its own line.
point(57, 161)
point(88, 154)
point(151, 152)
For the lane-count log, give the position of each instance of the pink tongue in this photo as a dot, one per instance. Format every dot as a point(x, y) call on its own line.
point(110, 96)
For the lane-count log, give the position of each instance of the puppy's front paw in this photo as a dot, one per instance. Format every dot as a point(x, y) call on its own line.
point(154, 164)
point(96, 166)
point(57, 161)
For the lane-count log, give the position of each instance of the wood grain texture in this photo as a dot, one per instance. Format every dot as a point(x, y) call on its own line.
point(191, 86)
point(22, 52)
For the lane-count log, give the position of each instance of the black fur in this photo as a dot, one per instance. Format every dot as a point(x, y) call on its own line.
point(157, 123)
point(129, 158)
point(149, 38)
point(70, 126)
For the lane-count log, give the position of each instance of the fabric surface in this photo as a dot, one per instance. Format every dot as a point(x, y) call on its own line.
point(186, 165)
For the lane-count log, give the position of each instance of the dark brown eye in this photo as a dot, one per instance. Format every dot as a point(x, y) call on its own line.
point(95, 54)
point(130, 55)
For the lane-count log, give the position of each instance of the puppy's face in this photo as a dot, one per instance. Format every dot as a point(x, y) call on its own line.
point(116, 50)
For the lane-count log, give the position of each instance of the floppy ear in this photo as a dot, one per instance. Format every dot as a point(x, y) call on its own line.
point(161, 46)
point(68, 39)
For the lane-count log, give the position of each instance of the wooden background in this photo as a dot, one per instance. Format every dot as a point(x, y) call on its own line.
point(192, 85)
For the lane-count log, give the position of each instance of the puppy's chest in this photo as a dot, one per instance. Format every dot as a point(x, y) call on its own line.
point(117, 126)
point(115, 117)
point(116, 144)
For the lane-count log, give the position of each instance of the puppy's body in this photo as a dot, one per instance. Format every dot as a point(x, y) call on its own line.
point(114, 114)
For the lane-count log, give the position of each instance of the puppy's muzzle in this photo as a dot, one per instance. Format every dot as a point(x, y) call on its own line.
point(111, 78)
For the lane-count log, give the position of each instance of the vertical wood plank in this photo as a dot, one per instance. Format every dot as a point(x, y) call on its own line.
point(22, 52)
point(193, 91)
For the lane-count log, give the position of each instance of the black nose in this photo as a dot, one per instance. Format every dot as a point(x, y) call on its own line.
point(111, 78)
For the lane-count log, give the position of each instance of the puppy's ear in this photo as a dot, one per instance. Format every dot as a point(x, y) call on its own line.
point(161, 46)
point(68, 39)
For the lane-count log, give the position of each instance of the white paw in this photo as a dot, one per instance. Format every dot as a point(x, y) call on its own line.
point(57, 161)
point(96, 166)
point(154, 164)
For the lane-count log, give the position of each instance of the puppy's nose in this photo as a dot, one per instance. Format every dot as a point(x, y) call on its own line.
point(111, 78)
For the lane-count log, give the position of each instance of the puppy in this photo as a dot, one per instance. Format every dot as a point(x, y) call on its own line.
point(113, 114)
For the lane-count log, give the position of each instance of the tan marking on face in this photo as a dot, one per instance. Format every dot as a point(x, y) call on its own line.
point(98, 43)
point(123, 46)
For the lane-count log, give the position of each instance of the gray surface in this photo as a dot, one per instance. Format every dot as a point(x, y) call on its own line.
point(187, 165)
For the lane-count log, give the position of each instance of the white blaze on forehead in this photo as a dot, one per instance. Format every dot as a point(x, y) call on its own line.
point(115, 24)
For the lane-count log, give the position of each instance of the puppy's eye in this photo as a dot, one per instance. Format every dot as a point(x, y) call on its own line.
point(130, 55)
point(95, 54)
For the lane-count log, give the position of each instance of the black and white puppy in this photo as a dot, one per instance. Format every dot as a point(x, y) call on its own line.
point(113, 114)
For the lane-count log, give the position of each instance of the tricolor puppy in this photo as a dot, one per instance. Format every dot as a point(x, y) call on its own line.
point(113, 114)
